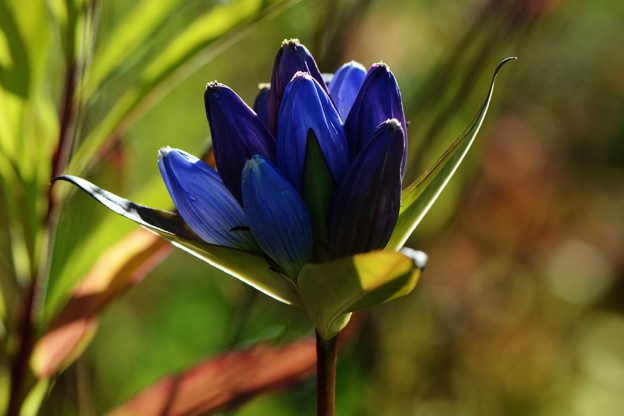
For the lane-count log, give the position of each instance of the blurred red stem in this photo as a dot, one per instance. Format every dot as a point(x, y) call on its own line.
point(61, 154)
point(326, 354)
point(19, 366)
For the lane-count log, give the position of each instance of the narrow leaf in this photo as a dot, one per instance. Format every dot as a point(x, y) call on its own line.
point(117, 270)
point(250, 268)
point(331, 291)
point(224, 382)
point(200, 41)
point(418, 197)
point(127, 39)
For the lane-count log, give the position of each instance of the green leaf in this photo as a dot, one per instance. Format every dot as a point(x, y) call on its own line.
point(118, 268)
point(418, 197)
point(248, 267)
point(318, 186)
point(200, 41)
point(331, 291)
point(127, 39)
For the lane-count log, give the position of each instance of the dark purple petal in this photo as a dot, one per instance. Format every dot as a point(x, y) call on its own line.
point(277, 216)
point(345, 85)
point(261, 104)
point(203, 201)
point(237, 134)
point(366, 204)
point(379, 99)
point(307, 107)
point(291, 58)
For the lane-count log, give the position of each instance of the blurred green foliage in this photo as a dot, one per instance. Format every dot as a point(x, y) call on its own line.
point(521, 309)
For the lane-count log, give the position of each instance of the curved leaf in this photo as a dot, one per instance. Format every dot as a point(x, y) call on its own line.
point(200, 40)
point(331, 291)
point(224, 382)
point(418, 197)
point(248, 267)
point(118, 269)
point(127, 39)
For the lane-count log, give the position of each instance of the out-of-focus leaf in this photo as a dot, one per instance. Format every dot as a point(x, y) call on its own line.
point(125, 40)
point(224, 382)
point(250, 268)
point(331, 291)
point(183, 54)
point(119, 268)
point(27, 131)
point(418, 197)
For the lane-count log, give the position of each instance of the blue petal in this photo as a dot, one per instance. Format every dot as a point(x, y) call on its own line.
point(290, 59)
point(345, 85)
point(378, 100)
point(366, 204)
point(261, 104)
point(237, 134)
point(307, 107)
point(277, 216)
point(203, 201)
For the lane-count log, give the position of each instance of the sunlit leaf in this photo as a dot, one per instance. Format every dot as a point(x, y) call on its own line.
point(224, 382)
point(182, 55)
point(127, 37)
point(418, 197)
point(331, 291)
point(117, 270)
point(250, 268)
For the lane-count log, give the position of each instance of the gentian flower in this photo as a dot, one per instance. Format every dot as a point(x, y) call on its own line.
point(306, 203)
point(315, 170)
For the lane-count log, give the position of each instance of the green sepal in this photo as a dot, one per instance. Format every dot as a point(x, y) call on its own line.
point(419, 196)
point(245, 266)
point(318, 186)
point(331, 291)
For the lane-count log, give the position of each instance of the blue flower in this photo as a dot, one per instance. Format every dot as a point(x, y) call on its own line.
point(291, 58)
point(366, 204)
point(307, 203)
point(306, 108)
point(277, 216)
point(323, 180)
point(203, 201)
point(345, 86)
point(237, 134)
point(378, 100)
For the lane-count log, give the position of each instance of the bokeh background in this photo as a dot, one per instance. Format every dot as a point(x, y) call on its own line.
point(521, 308)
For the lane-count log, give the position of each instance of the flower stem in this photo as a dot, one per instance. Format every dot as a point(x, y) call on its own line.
point(326, 353)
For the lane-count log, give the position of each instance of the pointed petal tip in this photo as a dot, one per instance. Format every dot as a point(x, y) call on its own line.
point(254, 162)
point(213, 85)
point(164, 152)
point(291, 42)
point(393, 123)
point(380, 66)
point(302, 75)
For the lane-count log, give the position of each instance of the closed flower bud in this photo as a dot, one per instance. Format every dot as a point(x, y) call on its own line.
point(366, 204)
point(203, 201)
point(261, 103)
point(237, 134)
point(290, 59)
point(378, 100)
point(277, 216)
point(345, 85)
point(306, 107)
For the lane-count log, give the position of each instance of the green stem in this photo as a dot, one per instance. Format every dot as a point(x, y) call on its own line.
point(326, 353)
